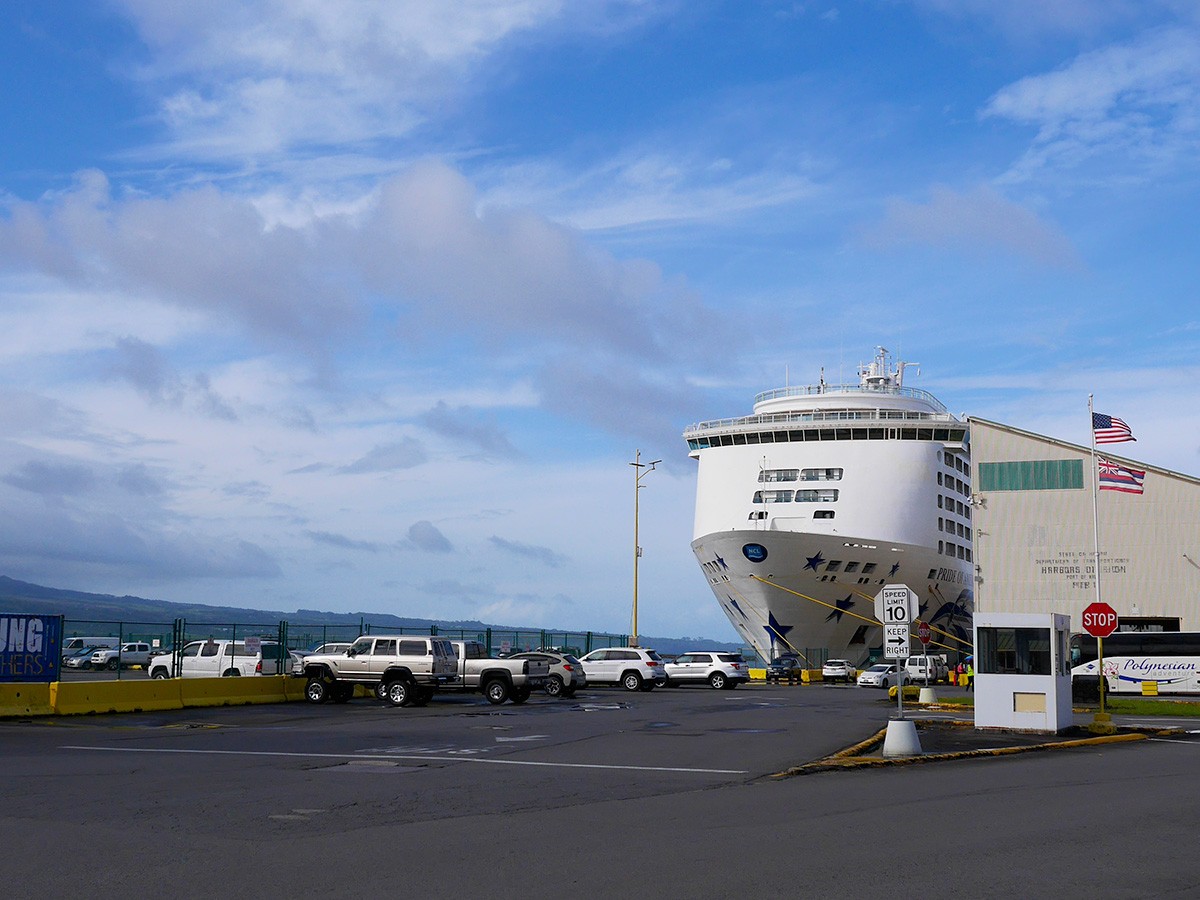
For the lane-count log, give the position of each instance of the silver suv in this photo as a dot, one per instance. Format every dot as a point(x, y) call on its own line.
point(633, 668)
point(719, 669)
point(403, 669)
point(566, 672)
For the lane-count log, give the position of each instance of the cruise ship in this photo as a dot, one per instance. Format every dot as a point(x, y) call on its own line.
point(808, 507)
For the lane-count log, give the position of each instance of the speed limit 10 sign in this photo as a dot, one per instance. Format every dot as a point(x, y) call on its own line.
point(895, 605)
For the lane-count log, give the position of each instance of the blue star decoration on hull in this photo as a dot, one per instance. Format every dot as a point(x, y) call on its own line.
point(775, 631)
point(842, 606)
point(814, 561)
point(895, 569)
point(733, 603)
point(722, 563)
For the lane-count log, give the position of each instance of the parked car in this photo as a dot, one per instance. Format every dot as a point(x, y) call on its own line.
point(719, 670)
point(566, 671)
point(80, 658)
point(634, 668)
point(884, 675)
point(75, 645)
point(134, 653)
point(785, 667)
point(838, 670)
point(223, 659)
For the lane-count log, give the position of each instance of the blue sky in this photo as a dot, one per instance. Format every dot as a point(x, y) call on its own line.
point(368, 305)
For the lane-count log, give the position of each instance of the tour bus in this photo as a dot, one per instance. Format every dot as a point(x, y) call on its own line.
point(1170, 659)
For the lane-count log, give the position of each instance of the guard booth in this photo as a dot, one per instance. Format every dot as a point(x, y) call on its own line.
point(1022, 672)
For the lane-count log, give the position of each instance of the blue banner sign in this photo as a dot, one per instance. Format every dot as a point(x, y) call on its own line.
point(30, 647)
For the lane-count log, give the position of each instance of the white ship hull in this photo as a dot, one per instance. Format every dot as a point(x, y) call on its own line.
point(808, 507)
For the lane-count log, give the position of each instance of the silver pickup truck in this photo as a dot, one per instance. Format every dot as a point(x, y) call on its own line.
point(496, 679)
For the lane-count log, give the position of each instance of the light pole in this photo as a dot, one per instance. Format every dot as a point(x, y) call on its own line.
point(640, 471)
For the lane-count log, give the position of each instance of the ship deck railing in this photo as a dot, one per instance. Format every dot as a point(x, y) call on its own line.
point(851, 415)
point(816, 390)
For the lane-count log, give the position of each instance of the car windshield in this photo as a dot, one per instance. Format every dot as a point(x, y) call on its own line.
point(653, 655)
point(879, 668)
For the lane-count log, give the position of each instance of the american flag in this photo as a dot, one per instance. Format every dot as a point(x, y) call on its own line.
point(1116, 477)
point(1110, 429)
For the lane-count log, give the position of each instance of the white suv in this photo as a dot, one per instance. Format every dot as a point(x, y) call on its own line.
point(720, 670)
point(633, 668)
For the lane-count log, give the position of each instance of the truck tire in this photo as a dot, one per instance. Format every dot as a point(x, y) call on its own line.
point(496, 691)
point(316, 691)
point(342, 693)
point(400, 692)
point(114, 664)
point(422, 696)
point(380, 691)
point(520, 695)
point(160, 672)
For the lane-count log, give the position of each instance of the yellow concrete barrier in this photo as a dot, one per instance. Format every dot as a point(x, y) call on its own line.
point(1149, 688)
point(76, 697)
point(237, 691)
point(25, 700)
point(758, 674)
point(808, 676)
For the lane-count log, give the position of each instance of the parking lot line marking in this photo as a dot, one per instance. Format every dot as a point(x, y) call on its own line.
point(457, 759)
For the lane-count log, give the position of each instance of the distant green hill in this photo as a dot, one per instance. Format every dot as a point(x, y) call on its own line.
point(77, 606)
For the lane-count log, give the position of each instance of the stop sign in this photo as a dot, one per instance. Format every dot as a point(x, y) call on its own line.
point(1099, 620)
point(924, 632)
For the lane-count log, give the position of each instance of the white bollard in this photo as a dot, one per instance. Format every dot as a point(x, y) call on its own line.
point(928, 695)
point(901, 739)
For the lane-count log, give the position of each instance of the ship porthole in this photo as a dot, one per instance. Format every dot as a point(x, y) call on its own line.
point(756, 553)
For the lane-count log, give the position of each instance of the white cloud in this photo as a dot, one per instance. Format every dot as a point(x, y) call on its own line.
point(980, 221)
point(1134, 107)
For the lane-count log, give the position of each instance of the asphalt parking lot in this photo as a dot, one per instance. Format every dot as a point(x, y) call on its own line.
point(669, 792)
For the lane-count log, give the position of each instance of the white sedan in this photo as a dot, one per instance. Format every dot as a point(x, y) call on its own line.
point(883, 675)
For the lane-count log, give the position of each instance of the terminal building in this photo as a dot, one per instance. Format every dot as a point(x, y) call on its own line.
point(1033, 531)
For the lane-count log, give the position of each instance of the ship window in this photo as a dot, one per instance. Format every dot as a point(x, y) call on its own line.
point(758, 514)
point(939, 478)
point(950, 504)
point(793, 435)
point(941, 434)
point(820, 474)
point(767, 437)
point(932, 574)
point(781, 437)
point(772, 496)
point(940, 521)
point(924, 434)
point(958, 464)
point(751, 438)
point(773, 475)
point(949, 548)
point(908, 434)
point(961, 553)
point(876, 434)
point(968, 554)
point(833, 565)
point(941, 547)
point(858, 434)
point(892, 434)
point(842, 434)
point(958, 503)
point(825, 495)
point(739, 439)
point(967, 513)
point(851, 567)
point(949, 461)
point(939, 501)
point(823, 514)
point(868, 568)
point(827, 434)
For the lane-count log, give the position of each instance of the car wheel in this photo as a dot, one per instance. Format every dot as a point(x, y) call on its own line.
point(400, 692)
point(380, 691)
point(631, 681)
point(160, 673)
point(554, 686)
point(316, 691)
point(718, 680)
point(342, 693)
point(521, 695)
point(496, 691)
point(422, 696)
point(886, 684)
point(231, 673)
point(666, 682)
point(114, 664)
point(86, 665)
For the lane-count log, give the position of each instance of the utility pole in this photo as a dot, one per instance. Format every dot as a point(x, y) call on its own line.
point(640, 471)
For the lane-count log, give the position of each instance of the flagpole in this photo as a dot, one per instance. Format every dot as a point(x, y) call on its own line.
point(1096, 547)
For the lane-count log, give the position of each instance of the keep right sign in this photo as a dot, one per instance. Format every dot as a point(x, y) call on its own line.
point(1099, 620)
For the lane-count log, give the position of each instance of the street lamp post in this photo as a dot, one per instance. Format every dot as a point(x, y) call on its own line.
point(640, 471)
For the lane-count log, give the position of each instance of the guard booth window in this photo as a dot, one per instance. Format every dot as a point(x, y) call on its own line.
point(1014, 651)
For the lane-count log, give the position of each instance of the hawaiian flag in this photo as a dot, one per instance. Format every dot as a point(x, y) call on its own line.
point(1116, 477)
point(1110, 429)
